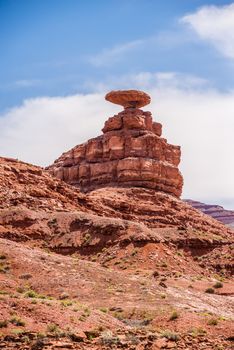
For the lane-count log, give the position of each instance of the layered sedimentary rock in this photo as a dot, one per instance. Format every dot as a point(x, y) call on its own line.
point(215, 211)
point(130, 153)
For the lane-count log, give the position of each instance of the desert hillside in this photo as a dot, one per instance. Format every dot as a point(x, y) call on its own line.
point(116, 267)
point(94, 271)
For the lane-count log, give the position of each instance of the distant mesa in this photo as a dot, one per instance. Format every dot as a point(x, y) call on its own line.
point(128, 98)
point(216, 211)
point(130, 153)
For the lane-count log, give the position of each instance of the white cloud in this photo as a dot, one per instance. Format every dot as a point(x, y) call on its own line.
point(41, 128)
point(198, 118)
point(216, 25)
point(147, 80)
point(26, 83)
point(113, 54)
point(20, 84)
point(151, 45)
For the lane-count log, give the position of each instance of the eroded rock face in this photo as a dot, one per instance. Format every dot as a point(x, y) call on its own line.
point(130, 153)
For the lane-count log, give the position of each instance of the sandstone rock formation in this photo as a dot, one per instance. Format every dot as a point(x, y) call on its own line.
point(128, 98)
point(130, 153)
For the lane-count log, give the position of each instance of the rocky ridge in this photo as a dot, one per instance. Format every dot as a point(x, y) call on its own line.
point(36, 206)
point(120, 258)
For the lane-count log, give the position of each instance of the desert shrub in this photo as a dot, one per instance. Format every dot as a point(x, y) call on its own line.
point(103, 309)
point(91, 334)
point(31, 294)
point(164, 264)
point(107, 338)
point(4, 268)
point(25, 276)
point(66, 303)
point(218, 285)
point(85, 315)
point(197, 332)
point(170, 335)
point(209, 290)
point(86, 239)
point(134, 252)
point(17, 321)
point(17, 331)
point(212, 322)
point(3, 292)
point(20, 289)
point(3, 323)
point(174, 316)
point(52, 328)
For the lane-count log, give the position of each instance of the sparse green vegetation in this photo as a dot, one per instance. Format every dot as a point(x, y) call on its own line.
point(66, 303)
point(134, 252)
point(197, 331)
point(86, 313)
point(107, 338)
point(3, 323)
point(170, 335)
point(20, 289)
point(209, 290)
point(4, 267)
point(17, 321)
point(164, 264)
point(218, 285)
point(86, 239)
point(103, 309)
point(3, 292)
point(41, 335)
point(31, 294)
point(118, 315)
point(174, 316)
point(25, 276)
point(212, 322)
point(179, 253)
point(52, 328)
point(17, 331)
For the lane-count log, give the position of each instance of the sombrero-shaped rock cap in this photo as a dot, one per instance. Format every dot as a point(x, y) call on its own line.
point(128, 98)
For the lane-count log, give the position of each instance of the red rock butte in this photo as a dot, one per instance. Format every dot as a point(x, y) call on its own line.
point(130, 153)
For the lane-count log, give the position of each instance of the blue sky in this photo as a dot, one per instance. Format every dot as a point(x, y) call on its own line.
point(48, 48)
point(59, 58)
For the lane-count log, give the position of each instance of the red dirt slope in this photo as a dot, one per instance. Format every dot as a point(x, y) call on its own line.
point(150, 259)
